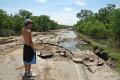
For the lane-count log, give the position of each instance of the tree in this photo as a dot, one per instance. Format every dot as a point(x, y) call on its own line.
point(18, 23)
point(25, 14)
point(3, 17)
point(98, 25)
point(12, 24)
point(116, 24)
point(83, 14)
point(104, 14)
point(43, 21)
point(52, 25)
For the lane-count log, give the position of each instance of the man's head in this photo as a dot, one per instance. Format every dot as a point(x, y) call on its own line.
point(28, 23)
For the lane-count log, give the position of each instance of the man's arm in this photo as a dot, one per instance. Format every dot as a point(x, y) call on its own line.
point(30, 39)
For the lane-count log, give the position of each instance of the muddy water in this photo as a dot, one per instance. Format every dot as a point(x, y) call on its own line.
point(71, 41)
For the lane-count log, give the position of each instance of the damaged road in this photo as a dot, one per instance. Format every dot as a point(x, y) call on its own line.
point(58, 58)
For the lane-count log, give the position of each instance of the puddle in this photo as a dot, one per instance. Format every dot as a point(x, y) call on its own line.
point(71, 43)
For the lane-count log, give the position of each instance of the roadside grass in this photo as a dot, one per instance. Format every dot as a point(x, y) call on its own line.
point(113, 53)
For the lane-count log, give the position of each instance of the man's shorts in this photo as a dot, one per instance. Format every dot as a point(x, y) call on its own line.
point(29, 55)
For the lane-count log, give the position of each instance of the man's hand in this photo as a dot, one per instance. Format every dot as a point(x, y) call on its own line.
point(34, 50)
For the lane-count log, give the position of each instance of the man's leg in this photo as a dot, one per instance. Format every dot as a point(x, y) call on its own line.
point(26, 68)
point(29, 67)
point(30, 71)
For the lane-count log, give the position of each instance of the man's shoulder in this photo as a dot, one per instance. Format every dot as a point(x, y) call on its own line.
point(22, 30)
point(28, 31)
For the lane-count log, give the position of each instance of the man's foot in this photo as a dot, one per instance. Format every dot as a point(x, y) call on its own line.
point(30, 74)
point(25, 74)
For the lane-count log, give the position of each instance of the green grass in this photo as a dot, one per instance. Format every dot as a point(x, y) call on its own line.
point(104, 44)
point(90, 41)
point(115, 54)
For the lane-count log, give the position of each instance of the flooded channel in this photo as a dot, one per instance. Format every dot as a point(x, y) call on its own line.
point(72, 43)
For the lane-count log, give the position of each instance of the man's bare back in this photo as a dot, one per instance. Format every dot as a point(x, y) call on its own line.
point(27, 37)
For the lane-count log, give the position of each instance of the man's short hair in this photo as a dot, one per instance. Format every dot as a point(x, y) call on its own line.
point(27, 21)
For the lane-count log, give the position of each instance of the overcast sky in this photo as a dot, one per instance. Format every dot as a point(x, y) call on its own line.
point(62, 11)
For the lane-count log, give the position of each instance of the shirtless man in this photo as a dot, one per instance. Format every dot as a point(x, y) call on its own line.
point(29, 55)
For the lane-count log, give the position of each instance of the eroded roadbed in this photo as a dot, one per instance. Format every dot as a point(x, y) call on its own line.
point(64, 63)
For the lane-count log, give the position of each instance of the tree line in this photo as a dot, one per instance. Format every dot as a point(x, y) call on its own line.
point(12, 24)
point(103, 24)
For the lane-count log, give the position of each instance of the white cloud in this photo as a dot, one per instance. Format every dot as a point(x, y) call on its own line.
point(80, 2)
point(41, 1)
point(64, 18)
point(68, 9)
